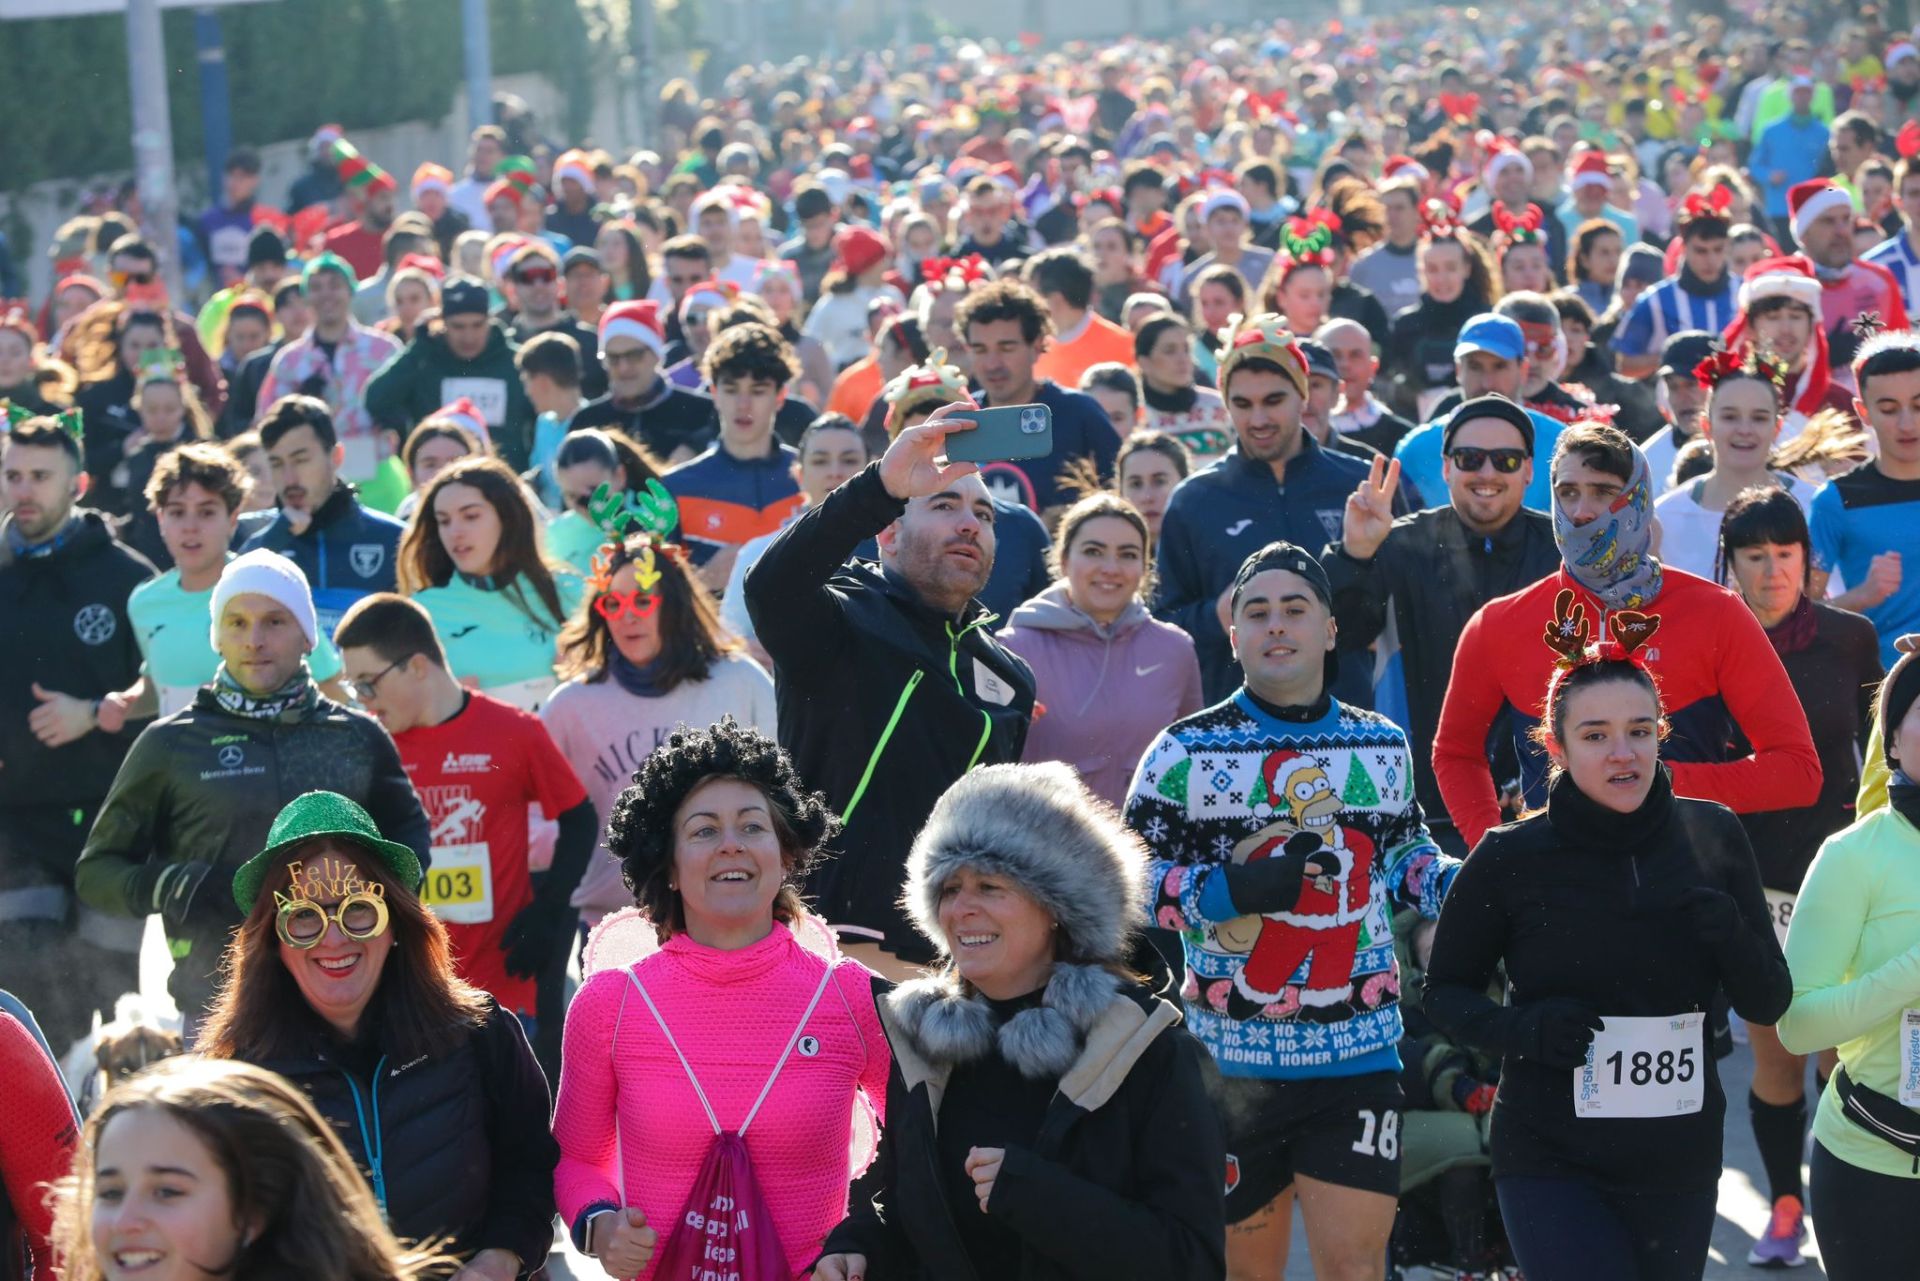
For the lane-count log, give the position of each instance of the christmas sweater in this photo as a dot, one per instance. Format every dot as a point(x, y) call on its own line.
point(1312, 991)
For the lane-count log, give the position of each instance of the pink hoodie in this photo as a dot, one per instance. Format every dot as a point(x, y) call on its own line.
point(732, 1014)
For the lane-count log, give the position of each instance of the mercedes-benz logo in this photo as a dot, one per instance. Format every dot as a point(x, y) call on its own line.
point(231, 756)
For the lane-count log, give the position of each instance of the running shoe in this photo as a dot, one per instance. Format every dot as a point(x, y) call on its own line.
point(1780, 1247)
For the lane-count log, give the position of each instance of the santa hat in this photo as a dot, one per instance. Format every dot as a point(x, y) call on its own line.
point(464, 413)
point(639, 321)
point(1808, 200)
point(716, 199)
point(1502, 155)
point(768, 270)
point(574, 164)
point(1590, 170)
point(856, 249)
point(1222, 198)
point(1275, 782)
point(1904, 49)
point(1790, 277)
point(1405, 167)
point(708, 294)
point(504, 189)
point(357, 173)
point(432, 177)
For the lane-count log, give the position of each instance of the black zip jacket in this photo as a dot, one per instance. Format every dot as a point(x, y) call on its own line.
point(455, 1145)
point(667, 421)
point(1580, 904)
point(1123, 1179)
point(1419, 350)
point(1433, 573)
point(883, 701)
point(204, 785)
point(63, 625)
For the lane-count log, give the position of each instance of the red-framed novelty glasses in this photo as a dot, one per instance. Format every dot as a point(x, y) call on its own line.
point(613, 605)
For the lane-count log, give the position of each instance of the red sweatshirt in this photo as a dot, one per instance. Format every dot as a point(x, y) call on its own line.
point(1711, 660)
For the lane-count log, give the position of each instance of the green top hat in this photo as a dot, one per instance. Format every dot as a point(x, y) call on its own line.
point(322, 814)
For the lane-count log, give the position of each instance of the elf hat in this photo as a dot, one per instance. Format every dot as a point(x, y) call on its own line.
point(431, 177)
point(1590, 170)
point(1808, 200)
point(357, 173)
point(638, 320)
point(322, 814)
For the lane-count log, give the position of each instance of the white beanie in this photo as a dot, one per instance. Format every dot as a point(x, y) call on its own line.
point(264, 573)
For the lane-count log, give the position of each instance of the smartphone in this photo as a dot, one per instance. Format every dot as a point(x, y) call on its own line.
point(1005, 433)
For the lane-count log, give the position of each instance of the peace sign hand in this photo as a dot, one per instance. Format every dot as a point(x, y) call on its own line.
point(1369, 515)
point(911, 467)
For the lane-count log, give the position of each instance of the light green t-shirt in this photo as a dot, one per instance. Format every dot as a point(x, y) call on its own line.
point(574, 539)
point(501, 642)
point(173, 628)
point(1854, 949)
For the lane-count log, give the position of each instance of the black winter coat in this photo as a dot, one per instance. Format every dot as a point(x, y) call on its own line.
point(883, 701)
point(454, 1145)
point(1434, 574)
point(63, 624)
point(1125, 1179)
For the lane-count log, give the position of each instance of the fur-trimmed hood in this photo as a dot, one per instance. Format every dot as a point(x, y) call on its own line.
point(1039, 826)
point(1087, 1030)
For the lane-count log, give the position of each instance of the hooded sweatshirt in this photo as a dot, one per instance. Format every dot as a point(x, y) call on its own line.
point(1107, 690)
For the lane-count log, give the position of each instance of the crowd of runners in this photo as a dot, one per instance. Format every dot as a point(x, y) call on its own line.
point(611, 760)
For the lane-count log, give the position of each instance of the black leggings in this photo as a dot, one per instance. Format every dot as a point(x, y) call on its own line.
point(1867, 1224)
point(1569, 1230)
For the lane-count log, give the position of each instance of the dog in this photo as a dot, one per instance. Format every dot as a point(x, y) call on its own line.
point(138, 1036)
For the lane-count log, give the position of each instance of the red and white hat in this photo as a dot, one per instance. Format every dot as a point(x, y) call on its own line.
point(1501, 156)
point(576, 165)
point(716, 198)
point(1405, 167)
point(1808, 200)
point(1222, 198)
point(432, 177)
point(1780, 278)
point(463, 412)
point(639, 320)
point(708, 294)
point(1590, 170)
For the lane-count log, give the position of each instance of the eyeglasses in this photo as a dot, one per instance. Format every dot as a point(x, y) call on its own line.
point(364, 690)
point(633, 357)
point(614, 604)
point(537, 276)
point(1505, 461)
point(302, 923)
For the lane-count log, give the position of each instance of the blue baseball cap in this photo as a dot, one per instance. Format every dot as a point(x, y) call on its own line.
point(1496, 335)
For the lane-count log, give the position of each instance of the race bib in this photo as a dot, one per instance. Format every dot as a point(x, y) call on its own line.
point(526, 695)
point(1643, 1067)
point(360, 457)
point(489, 396)
point(1780, 908)
point(1910, 1058)
point(459, 885)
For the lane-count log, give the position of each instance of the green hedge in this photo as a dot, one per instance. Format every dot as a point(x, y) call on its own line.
point(292, 65)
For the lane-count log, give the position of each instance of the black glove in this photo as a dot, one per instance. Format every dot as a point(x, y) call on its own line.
point(1713, 917)
point(534, 932)
point(184, 895)
point(1272, 884)
point(1555, 1032)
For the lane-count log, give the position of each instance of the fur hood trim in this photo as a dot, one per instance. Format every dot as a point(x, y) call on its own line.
point(947, 1024)
point(1039, 826)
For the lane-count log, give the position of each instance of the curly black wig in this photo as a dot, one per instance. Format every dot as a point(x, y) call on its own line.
point(640, 828)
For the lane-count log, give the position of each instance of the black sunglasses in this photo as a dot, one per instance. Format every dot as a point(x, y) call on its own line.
point(1505, 461)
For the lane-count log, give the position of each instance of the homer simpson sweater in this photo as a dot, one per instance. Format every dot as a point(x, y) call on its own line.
point(1312, 991)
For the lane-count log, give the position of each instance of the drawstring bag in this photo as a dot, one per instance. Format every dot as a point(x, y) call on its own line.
point(723, 1232)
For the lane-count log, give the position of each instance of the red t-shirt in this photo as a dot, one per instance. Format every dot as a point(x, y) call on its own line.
point(477, 775)
point(359, 246)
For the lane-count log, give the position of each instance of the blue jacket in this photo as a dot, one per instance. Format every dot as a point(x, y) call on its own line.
point(1081, 429)
point(347, 552)
point(1796, 147)
point(1224, 513)
point(1020, 570)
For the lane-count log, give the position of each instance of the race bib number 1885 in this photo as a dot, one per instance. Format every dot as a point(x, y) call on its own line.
point(1643, 1067)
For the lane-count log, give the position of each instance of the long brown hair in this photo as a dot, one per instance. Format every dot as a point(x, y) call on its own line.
point(692, 638)
point(423, 1007)
point(286, 1171)
point(425, 561)
point(96, 345)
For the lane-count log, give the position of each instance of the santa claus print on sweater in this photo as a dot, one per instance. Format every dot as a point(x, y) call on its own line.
point(1312, 990)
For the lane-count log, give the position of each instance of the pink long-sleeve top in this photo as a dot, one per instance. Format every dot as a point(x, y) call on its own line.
point(732, 1014)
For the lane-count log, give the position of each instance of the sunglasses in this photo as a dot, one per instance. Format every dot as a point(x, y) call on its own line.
point(612, 605)
point(302, 923)
point(538, 276)
point(1505, 461)
point(124, 278)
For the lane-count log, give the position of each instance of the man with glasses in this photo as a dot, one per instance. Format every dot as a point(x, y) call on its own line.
point(533, 292)
point(481, 768)
point(199, 790)
point(1427, 573)
point(673, 423)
